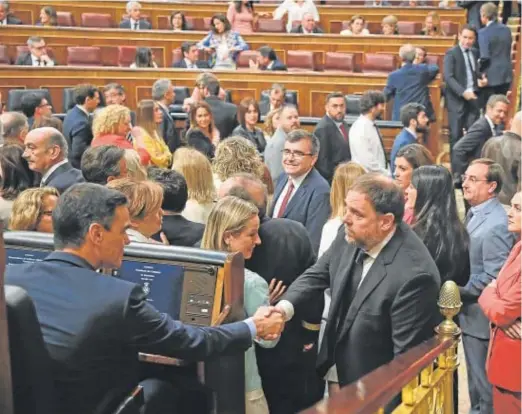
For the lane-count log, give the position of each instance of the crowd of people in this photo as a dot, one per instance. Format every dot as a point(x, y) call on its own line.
point(345, 246)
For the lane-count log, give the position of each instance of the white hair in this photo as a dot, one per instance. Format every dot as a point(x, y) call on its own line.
point(131, 4)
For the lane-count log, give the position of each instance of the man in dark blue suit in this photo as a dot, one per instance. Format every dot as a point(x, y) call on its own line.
point(415, 121)
point(190, 60)
point(301, 193)
point(77, 123)
point(94, 325)
point(46, 153)
point(495, 53)
point(410, 83)
point(267, 60)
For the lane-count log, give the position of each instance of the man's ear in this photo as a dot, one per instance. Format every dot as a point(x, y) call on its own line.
point(96, 233)
point(387, 220)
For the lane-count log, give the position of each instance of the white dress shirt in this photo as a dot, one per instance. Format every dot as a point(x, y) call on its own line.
point(297, 183)
point(190, 65)
point(295, 12)
point(133, 22)
point(3, 22)
point(491, 125)
point(39, 62)
point(366, 146)
point(48, 173)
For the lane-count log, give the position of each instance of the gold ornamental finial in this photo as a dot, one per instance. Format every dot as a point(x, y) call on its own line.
point(449, 306)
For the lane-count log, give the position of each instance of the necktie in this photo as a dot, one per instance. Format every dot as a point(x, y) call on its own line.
point(470, 63)
point(342, 128)
point(469, 216)
point(38, 62)
point(286, 199)
point(136, 25)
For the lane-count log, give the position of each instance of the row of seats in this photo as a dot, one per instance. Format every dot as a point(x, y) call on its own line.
point(296, 60)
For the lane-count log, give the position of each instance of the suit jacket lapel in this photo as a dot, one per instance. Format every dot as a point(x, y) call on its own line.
point(296, 199)
point(278, 190)
point(61, 169)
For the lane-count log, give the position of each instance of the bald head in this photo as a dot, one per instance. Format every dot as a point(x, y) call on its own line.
point(249, 183)
point(516, 124)
point(44, 147)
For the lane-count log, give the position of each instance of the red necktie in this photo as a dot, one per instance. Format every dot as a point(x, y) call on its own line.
point(286, 199)
point(343, 131)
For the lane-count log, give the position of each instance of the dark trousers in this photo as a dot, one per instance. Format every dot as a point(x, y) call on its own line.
point(485, 93)
point(480, 390)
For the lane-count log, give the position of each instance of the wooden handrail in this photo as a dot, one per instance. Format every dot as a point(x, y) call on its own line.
point(379, 387)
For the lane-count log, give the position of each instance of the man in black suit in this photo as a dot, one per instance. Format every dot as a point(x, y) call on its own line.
point(276, 99)
point(224, 113)
point(94, 326)
point(46, 153)
point(37, 55)
point(114, 94)
point(495, 51)
point(383, 280)
point(35, 107)
point(5, 17)
point(332, 133)
point(77, 123)
point(190, 59)
point(308, 25)
point(470, 145)
point(267, 60)
point(163, 93)
point(177, 229)
point(135, 22)
point(462, 84)
point(288, 372)
point(103, 164)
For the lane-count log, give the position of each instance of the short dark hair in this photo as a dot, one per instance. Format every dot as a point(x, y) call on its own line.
point(81, 206)
point(242, 109)
point(470, 28)
point(16, 175)
point(223, 19)
point(300, 134)
point(384, 195)
point(213, 86)
point(495, 172)
point(115, 86)
point(84, 91)
point(100, 163)
point(268, 52)
point(183, 19)
point(411, 111)
point(185, 47)
point(416, 155)
point(370, 100)
point(175, 190)
point(31, 101)
point(334, 95)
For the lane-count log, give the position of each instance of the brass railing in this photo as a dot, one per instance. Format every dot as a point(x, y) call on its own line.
point(423, 376)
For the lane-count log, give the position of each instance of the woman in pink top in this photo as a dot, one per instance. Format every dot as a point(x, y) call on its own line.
point(241, 16)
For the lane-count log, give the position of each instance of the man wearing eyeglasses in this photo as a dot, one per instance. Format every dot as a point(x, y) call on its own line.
point(301, 193)
point(490, 243)
point(35, 106)
point(37, 55)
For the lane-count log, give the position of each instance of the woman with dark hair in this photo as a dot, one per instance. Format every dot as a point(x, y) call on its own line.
point(202, 134)
point(48, 17)
point(16, 177)
point(144, 58)
point(248, 117)
point(178, 23)
point(222, 43)
point(241, 16)
point(437, 224)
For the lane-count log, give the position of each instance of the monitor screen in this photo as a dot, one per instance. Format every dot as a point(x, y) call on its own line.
point(16, 256)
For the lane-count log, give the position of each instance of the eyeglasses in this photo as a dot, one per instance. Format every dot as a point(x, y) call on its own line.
point(46, 213)
point(298, 155)
point(471, 179)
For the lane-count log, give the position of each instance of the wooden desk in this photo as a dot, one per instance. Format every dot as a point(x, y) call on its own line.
point(311, 87)
point(29, 11)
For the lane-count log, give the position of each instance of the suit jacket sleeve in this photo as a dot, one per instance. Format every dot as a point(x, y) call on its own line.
point(502, 311)
point(465, 147)
point(449, 74)
point(125, 24)
point(80, 139)
point(413, 312)
point(389, 89)
point(431, 72)
point(318, 213)
point(483, 41)
point(323, 164)
point(158, 333)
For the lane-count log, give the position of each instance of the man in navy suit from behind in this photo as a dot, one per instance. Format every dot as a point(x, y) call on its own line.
point(410, 83)
point(94, 325)
point(301, 193)
point(77, 123)
point(46, 153)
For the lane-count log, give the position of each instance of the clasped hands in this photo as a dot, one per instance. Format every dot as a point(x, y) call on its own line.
point(269, 321)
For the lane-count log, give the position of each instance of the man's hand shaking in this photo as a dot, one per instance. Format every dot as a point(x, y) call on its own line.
point(269, 322)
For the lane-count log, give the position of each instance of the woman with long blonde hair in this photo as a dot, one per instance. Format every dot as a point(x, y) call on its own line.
point(197, 170)
point(432, 25)
point(233, 227)
point(33, 210)
point(272, 122)
point(146, 136)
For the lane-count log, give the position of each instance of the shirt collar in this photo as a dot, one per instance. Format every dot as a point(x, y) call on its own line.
point(488, 23)
point(464, 50)
point(490, 122)
point(299, 180)
point(375, 250)
point(133, 22)
point(412, 132)
point(53, 169)
point(189, 63)
point(83, 110)
point(35, 59)
point(483, 206)
point(269, 66)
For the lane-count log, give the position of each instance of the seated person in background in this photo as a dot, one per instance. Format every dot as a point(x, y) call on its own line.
point(48, 121)
point(267, 60)
point(144, 199)
point(48, 17)
point(35, 106)
point(356, 27)
point(377, 3)
point(389, 26)
point(177, 229)
point(248, 117)
point(197, 170)
point(432, 25)
point(202, 134)
point(103, 164)
point(271, 123)
point(46, 153)
point(177, 20)
point(413, 3)
point(144, 58)
point(190, 59)
point(5, 15)
point(222, 43)
point(296, 10)
point(15, 127)
point(33, 210)
point(421, 55)
point(308, 25)
point(241, 16)
point(134, 20)
point(276, 99)
point(37, 55)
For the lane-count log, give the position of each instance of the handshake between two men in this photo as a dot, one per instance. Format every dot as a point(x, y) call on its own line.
point(270, 322)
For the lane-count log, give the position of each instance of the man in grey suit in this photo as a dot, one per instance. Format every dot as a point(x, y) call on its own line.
point(383, 280)
point(135, 22)
point(289, 121)
point(490, 243)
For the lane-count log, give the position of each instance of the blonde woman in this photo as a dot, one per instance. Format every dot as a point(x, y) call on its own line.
point(33, 210)
point(197, 170)
point(144, 204)
point(272, 122)
point(233, 226)
point(135, 169)
point(432, 25)
point(389, 25)
point(236, 155)
point(145, 134)
point(356, 27)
